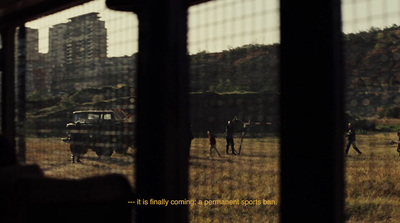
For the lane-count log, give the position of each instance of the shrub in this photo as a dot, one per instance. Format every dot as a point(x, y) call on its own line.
point(392, 112)
point(364, 125)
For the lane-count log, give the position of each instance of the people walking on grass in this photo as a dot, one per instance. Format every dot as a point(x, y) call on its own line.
point(213, 143)
point(229, 136)
point(351, 137)
point(398, 142)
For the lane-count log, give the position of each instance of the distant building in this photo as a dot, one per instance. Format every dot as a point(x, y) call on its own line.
point(58, 44)
point(32, 49)
point(77, 58)
point(77, 50)
point(36, 67)
point(86, 39)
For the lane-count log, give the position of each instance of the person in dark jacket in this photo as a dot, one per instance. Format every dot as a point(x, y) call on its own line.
point(229, 136)
point(351, 137)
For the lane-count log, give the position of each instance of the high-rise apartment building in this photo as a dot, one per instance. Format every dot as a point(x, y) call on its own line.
point(77, 58)
point(86, 39)
point(57, 44)
point(35, 65)
point(77, 51)
point(32, 49)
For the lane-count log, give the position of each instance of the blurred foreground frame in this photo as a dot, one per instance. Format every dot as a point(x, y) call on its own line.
point(162, 101)
point(311, 161)
point(312, 184)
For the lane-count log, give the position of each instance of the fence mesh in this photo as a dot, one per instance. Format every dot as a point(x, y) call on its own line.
point(75, 81)
point(79, 102)
point(80, 66)
point(371, 60)
point(234, 58)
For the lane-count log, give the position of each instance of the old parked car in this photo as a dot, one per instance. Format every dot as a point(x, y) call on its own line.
point(103, 131)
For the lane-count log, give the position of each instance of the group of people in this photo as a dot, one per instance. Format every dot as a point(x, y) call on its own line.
point(229, 129)
point(351, 139)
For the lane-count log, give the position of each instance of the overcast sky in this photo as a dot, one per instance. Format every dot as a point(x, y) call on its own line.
point(361, 15)
point(221, 25)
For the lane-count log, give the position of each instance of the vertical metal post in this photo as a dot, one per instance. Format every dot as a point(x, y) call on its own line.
point(21, 94)
point(311, 112)
point(162, 110)
point(7, 68)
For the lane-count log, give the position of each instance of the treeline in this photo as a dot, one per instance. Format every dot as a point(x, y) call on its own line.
point(251, 68)
point(372, 71)
point(48, 115)
point(372, 58)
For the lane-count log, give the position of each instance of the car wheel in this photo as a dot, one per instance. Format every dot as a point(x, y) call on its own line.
point(107, 152)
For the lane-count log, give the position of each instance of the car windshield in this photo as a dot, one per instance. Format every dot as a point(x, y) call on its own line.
point(107, 116)
point(92, 117)
point(80, 117)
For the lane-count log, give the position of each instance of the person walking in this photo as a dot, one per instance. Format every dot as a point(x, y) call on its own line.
point(351, 137)
point(398, 142)
point(213, 143)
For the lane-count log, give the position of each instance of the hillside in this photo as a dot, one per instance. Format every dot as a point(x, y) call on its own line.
point(231, 82)
point(47, 116)
point(371, 64)
point(372, 70)
point(373, 58)
point(252, 68)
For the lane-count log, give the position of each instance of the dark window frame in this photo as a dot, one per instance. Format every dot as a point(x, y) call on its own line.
point(311, 161)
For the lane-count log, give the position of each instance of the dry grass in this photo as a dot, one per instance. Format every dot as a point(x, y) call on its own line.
point(372, 179)
point(254, 175)
point(54, 157)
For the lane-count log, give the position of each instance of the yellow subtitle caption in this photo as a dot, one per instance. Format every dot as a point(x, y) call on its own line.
point(192, 202)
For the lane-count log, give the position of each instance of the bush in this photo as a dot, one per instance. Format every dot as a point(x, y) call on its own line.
point(98, 98)
point(364, 125)
point(392, 112)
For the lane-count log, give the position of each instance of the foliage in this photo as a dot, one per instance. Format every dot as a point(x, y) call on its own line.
point(42, 109)
point(371, 66)
point(362, 126)
point(35, 96)
point(37, 100)
point(372, 57)
point(388, 128)
point(247, 68)
point(98, 98)
point(391, 112)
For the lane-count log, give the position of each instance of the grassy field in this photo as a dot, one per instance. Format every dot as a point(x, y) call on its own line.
point(54, 157)
point(372, 179)
point(249, 178)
